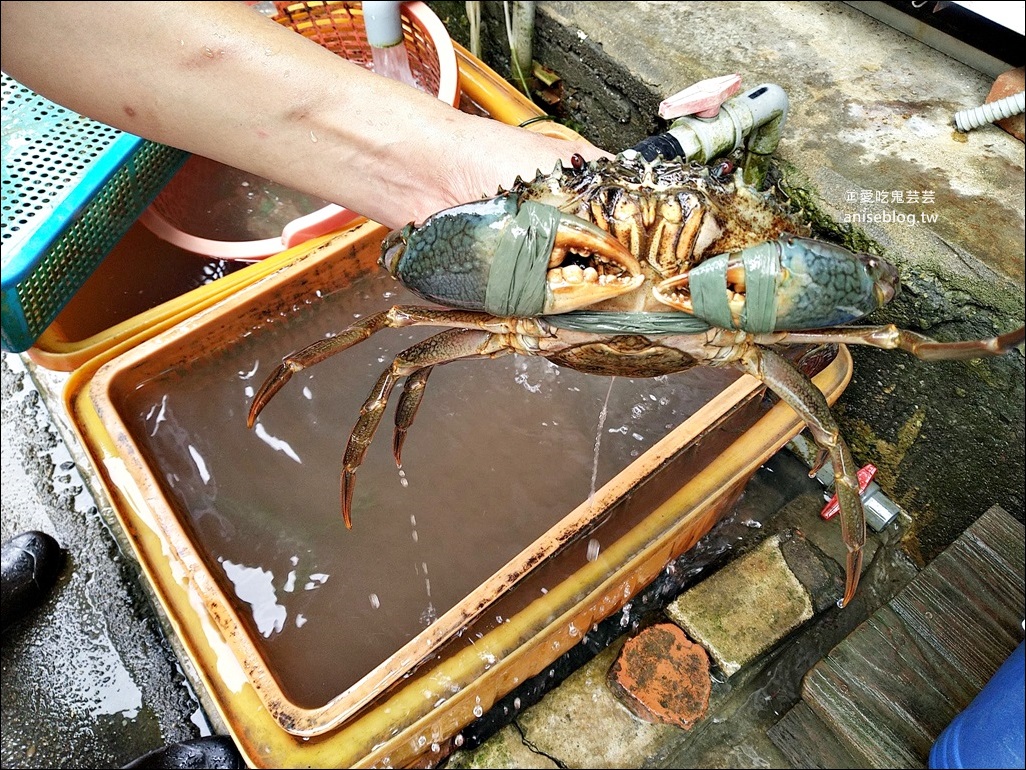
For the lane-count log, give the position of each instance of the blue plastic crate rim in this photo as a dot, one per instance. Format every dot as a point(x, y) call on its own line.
point(72, 188)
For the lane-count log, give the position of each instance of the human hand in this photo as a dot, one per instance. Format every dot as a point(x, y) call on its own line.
point(486, 156)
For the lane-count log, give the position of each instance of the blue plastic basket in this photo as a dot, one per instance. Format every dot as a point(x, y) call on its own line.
point(72, 187)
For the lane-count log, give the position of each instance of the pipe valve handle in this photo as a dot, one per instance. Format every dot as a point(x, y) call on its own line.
point(703, 99)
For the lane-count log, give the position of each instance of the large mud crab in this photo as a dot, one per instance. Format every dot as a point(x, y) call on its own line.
point(635, 268)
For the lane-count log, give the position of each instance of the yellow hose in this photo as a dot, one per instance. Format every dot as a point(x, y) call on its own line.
point(501, 100)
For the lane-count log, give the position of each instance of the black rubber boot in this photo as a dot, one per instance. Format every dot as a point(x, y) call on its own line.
point(29, 568)
point(213, 751)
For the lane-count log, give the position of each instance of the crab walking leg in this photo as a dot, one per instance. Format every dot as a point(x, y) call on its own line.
point(396, 317)
point(890, 337)
point(446, 346)
point(798, 392)
point(406, 409)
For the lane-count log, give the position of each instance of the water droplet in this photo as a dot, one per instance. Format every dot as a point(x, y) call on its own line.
point(593, 549)
point(478, 711)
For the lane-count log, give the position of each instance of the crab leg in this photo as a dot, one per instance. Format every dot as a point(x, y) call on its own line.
point(396, 317)
point(446, 346)
point(798, 392)
point(891, 337)
point(406, 409)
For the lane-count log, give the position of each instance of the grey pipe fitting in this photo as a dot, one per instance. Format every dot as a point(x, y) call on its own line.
point(754, 119)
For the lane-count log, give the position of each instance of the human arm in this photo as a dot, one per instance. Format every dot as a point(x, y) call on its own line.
point(220, 80)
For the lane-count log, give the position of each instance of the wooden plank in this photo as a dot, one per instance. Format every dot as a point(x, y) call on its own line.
point(905, 690)
point(802, 737)
point(1003, 535)
point(974, 637)
point(856, 724)
point(895, 682)
point(968, 602)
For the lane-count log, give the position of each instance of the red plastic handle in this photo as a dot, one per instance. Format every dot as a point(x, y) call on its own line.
point(865, 475)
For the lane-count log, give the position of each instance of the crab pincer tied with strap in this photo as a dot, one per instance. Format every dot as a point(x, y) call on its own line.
point(637, 268)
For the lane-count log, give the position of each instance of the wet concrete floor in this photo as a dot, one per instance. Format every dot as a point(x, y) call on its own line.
point(89, 679)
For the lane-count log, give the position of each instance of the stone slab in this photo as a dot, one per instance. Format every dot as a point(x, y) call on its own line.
point(744, 609)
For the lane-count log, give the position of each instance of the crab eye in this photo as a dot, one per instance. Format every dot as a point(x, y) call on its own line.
point(393, 247)
point(723, 169)
point(577, 161)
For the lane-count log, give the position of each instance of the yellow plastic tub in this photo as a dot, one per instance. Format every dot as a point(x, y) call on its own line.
point(409, 708)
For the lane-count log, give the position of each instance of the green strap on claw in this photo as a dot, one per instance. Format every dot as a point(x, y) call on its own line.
point(708, 284)
point(762, 269)
point(516, 283)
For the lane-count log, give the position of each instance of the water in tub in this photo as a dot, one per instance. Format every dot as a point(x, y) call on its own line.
point(500, 451)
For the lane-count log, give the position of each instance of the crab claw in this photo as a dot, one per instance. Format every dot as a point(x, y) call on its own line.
point(587, 266)
point(789, 284)
point(510, 258)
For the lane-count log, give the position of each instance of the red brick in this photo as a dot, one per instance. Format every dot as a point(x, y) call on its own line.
point(663, 677)
point(1008, 83)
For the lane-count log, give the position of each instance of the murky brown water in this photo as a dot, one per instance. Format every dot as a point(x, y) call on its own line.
point(501, 450)
point(210, 200)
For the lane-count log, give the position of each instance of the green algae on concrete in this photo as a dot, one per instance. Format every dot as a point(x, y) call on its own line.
point(582, 724)
point(744, 609)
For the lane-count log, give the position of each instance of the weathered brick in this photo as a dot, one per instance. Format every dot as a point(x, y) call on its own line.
point(744, 609)
point(1006, 84)
point(662, 676)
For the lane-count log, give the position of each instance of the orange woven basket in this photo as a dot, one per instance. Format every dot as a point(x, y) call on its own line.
point(339, 27)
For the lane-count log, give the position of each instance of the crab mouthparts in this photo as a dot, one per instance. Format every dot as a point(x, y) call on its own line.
point(587, 265)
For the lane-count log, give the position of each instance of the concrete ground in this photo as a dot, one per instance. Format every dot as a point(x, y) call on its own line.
point(90, 679)
point(95, 678)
